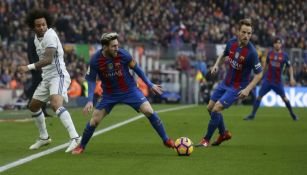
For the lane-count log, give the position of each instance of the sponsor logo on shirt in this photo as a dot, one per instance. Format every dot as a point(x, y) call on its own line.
point(275, 63)
point(234, 64)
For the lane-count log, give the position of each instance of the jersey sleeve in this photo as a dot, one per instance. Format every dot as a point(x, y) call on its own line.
point(227, 49)
point(91, 73)
point(50, 40)
point(256, 65)
point(126, 55)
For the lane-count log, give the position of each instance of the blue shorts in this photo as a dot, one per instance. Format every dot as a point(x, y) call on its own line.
point(134, 99)
point(266, 86)
point(225, 95)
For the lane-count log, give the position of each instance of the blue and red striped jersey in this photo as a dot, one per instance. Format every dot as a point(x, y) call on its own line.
point(275, 62)
point(113, 72)
point(240, 60)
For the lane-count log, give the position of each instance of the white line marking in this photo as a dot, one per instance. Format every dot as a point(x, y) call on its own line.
point(57, 148)
point(16, 120)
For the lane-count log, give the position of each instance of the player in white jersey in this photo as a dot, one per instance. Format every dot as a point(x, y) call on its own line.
point(55, 81)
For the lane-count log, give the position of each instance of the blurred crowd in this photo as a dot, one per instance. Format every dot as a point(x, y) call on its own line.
point(160, 22)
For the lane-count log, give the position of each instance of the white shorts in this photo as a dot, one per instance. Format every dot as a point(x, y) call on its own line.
point(52, 86)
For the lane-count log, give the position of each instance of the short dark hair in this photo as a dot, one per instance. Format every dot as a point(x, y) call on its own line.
point(36, 14)
point(276, 39)
point(107, 37)
point(245, 21)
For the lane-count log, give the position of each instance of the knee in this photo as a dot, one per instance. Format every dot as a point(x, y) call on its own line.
point(56, 101)
point(95, 121)
point(218, 107)
point(34, 107)
point(55, 105)
point(97, 117)
point(147, 110)
point(210, 105)
point(148, 113)
point(209, 109)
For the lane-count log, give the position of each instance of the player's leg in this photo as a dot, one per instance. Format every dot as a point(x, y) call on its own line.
point(279, 89)
point(255, 108)
point(156, 123)
point(288, 105)
point(56, 102)
point(217, 121)
point(221, 125)
point(213, 124)
point(265, 88)
point(40, 96)
point(58, 93)
point(89, 130)
point(44, 109)
point(103, 108)
point(217, 115)
point(139, 102)
point(218, 93)
point(229, 97)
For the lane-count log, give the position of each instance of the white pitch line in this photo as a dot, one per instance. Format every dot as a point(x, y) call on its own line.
point(57, 148)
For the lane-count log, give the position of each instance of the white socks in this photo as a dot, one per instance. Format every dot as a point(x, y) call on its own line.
point(65, 117)
point(39, 119)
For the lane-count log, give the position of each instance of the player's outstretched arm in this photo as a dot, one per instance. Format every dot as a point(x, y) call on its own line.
point(215, 67)
point(291, 74)
point(140, 73)
point(48, 58)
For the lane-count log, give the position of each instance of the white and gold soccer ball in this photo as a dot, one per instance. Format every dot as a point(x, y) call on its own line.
point(184, 146)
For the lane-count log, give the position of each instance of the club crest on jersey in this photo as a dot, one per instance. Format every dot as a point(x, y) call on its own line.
point(117, 66)
point(241, 58)
point(110, 66)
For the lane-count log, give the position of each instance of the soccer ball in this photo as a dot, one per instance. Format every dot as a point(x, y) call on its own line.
point(184, 146)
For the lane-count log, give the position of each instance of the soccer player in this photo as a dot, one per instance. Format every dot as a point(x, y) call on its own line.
point(36, 74)
point(276, 60)
point(55, 78)
point(112, 65)
point(241, 58)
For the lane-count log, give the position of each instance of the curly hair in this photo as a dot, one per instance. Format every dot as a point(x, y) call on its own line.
point(36, 14)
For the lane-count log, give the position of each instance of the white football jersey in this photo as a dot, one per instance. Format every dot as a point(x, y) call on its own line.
point(57, 67)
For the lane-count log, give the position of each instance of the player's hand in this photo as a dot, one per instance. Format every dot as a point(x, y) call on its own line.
point(214, 69)
point(243, 93)
point(23, 69)
point(157, 89)
point(88, 108)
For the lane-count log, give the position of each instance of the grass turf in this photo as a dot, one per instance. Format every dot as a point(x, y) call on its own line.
point(270, 144)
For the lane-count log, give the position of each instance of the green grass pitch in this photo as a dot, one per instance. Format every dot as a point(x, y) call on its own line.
point(271, 144)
